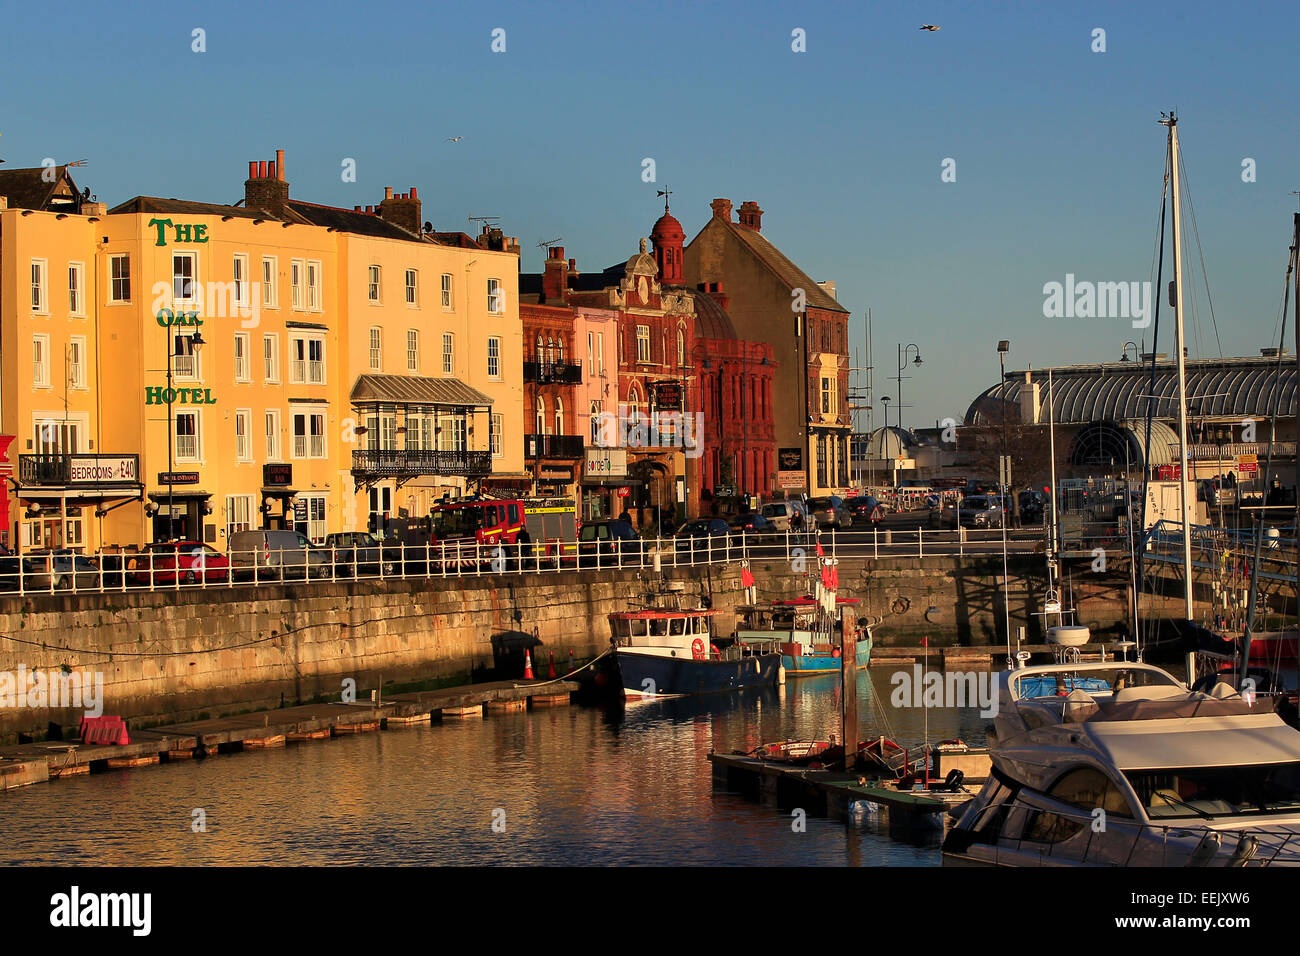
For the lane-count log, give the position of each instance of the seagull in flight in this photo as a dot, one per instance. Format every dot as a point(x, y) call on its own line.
point(929, 26)
point(454, 139)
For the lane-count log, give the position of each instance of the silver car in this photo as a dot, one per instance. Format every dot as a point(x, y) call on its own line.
point(275, 554)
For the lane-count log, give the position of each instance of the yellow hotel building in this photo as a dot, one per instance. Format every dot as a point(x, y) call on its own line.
point(315, 368)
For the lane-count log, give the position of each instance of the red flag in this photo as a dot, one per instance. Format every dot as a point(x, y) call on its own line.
point(820, 552)
point(835, 577)
point(925, 642)
point(746, 578)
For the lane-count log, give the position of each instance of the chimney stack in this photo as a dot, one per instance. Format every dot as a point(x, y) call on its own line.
point(751, 217)
point(266, 188)
point(556, 277)
point(714, 291)
point(402, 209)
point(721, 209)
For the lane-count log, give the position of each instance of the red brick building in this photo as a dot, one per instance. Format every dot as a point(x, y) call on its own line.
point(554, 425)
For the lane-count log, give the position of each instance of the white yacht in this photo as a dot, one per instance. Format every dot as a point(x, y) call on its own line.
point(1120, 764)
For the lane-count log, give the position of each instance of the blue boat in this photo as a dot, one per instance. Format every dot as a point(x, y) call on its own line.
point(803, 632)
point(669, 652)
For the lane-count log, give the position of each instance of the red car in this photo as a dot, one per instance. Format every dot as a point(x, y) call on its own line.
point(194, 560)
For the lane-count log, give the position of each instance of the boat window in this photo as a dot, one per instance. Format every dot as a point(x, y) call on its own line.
point(658, 626)
point(1088, 788)
point(1218, 791)
point(638, 626)
point(1047, 827)
point(675, 625)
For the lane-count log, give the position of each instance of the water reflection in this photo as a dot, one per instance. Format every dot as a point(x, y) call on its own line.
point(574, 785)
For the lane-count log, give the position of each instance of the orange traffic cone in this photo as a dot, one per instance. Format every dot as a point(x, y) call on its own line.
point(528, 665)
point(550, 667)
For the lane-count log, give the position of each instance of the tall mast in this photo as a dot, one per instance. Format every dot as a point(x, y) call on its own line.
point(1051, 433)
point(1183, 470)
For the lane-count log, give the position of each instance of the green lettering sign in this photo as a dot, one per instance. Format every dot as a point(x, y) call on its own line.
point(181, 232)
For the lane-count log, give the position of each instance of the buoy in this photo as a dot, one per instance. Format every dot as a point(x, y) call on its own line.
point(780, 673)
point(550, 667)
point(528, 665)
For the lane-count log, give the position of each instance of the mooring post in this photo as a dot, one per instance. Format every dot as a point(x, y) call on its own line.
point(848, 692)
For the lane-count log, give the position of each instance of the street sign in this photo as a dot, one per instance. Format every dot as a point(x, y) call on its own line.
point(178, 477)
point(624, 491)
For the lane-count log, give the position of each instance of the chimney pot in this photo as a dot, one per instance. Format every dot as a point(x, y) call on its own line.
point(370, 209)
point(721, 209)
point(261, 169)
point(279, 163)
point(388, 192)
point(415, 193)
point(271, 167)
point(252, 169)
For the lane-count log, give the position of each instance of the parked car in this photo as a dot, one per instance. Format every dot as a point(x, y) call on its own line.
point(356, 552)
point(276, 554)
point(608, 536)
point(1033, 505)
point(751, 526)
point(829, 512)
point(22, 571)
point(701, 534)
point(782, 514)
point(982, 511)
point(192, 560)
point(64, 568)
point(861, 508)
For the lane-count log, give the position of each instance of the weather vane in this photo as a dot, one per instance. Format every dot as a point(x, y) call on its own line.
point(665, 192)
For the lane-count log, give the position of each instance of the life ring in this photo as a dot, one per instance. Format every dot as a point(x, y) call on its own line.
point(713, 649)
point(697, 649)
point(900, 605)
point(835, 652)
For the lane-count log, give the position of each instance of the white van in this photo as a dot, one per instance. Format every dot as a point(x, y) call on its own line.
point(276, 554)
point(781, 514)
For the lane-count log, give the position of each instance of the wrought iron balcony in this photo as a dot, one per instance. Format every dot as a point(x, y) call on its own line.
point(376, 464)
point(554, 446)
point(552, 373)
point(88, 469)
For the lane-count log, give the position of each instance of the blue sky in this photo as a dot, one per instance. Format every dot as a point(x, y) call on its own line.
point(1058, 154)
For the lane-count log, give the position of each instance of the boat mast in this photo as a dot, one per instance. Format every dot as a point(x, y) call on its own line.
point(1183, 475)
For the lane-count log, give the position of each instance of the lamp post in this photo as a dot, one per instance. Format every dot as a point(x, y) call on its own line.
point(886, 399)
point(903, 352)
point(1004, 346)
point(1137, 352)
point(196, 342)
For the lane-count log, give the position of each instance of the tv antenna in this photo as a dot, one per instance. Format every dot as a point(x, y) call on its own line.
point(549, 243)
point(486, 220)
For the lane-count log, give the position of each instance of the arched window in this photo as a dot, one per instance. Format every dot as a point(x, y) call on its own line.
point(633, 403)
point(595, 423)
point(550, 350)
point(559, 415)
point(540, 354)
point(559, 349)
point(541, 415)
point(681, 348)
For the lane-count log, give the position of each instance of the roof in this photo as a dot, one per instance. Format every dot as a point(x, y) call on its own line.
point(1231, 388)
point(416, 390)
point(152, 204)
point(1184, 741)
point(711, 319)
point(28, 189)
point(349, 220)
point(889, 443)
point(791, 276)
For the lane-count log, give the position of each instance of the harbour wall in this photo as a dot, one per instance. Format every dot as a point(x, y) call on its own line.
point(181, 655)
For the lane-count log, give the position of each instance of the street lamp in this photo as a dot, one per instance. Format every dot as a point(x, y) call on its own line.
point(1004, 346)
point(902, 364)
point(1137, 352)
point(196, 342)
point(886, 399)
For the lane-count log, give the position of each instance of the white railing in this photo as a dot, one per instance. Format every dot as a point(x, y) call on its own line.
point(122, 571)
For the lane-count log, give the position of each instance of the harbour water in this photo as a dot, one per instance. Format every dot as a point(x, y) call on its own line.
point(573, 785)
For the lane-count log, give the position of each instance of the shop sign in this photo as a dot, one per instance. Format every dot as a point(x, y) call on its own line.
point(789, 479)
point(178, 477)
point(96, 470)
point(624, 491)
point(181, 231)
point(606, 463)
point(789, 459)
point(668, 396)
point(277, 475)
point(158, 395)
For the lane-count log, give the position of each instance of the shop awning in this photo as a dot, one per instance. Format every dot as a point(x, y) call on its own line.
point(179, 493)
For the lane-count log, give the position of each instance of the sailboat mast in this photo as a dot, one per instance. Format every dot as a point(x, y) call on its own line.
point(1183, 470)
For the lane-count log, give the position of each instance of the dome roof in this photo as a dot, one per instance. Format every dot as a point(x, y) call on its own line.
point(667, 229)
point(890, 443)
point(642, 263)
point(711, 319)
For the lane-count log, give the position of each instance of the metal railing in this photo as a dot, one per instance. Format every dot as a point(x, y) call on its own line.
point(196, 568)
point(546, 373)
point(404, 462)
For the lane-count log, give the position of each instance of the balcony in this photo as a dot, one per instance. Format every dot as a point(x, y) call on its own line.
point(1230, 450)
point(552, 373)
point(62, 470)
point(554, 446)
point(378, 464)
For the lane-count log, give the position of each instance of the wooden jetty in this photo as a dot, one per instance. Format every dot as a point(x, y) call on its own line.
point(43, 761)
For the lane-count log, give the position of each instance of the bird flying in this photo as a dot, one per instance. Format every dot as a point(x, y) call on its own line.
point(454, 139)
point(929, 26)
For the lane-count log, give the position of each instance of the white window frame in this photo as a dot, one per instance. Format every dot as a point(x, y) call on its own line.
point(271, 425)
point(496, 297)
point(448, 353)
point(494, 358)
point(77, 289)
point(40, 275)
point(412, 288)
point(116, 282)
point(297, 278)
point(179, 301)
point(374, 283)
point(305, 377)
point(375, 342)
point(315, 301)
point(643, 344)
point(447, 291)
point(243, 364)
point(308, 452)
point(77, 370)
point(271, 359)
point(178, 414)
point(270, 282)
point(239, 276)
point(413, 350)
point(239, 514)
point(41, 360)
point(196, 371)
point(244, 447)
point(498, 424)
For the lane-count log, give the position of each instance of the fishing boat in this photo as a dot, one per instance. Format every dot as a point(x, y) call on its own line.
point(804, 632)
point(665, 648)
point(1178, 777)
